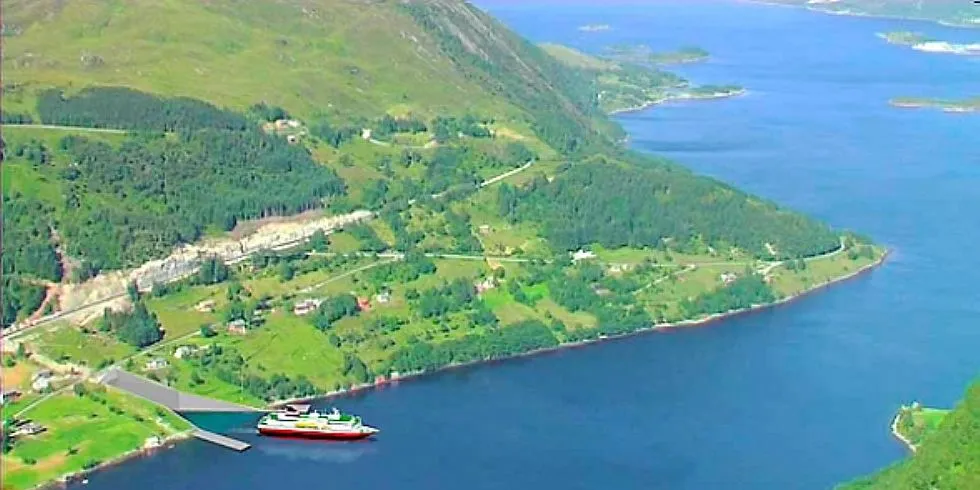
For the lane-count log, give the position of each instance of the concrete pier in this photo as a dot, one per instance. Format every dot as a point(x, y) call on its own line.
point(178, 402)
point(221, 440)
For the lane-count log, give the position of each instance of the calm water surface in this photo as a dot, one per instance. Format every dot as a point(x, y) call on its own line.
point(799, 397)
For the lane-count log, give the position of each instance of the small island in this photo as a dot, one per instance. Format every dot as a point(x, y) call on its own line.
point(904, 38)
point(595, 28)
point(643, 54)
point(946, 105)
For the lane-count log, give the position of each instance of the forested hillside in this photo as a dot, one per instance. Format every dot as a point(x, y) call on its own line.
point(276, 108)
point(948, 459)
point(657, 206)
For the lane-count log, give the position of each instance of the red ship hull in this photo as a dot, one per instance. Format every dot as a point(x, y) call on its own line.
point(314, 434)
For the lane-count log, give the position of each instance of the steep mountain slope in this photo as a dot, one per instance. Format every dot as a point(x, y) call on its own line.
point(948, 459)
point(339, 58)
point(449, 97)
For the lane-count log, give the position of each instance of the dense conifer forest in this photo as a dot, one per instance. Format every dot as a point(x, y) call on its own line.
point(657, 207)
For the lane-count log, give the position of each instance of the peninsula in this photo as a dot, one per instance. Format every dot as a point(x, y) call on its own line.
point(642, 54)
point(944, 446)
point(243, 227)
point(920, 42)
point(626, 86)
point(945, 105)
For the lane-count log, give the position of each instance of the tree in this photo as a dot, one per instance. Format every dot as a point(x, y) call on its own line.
point(333, 309)
point(138, 327)
point(286, 271)
point(207, 332)
point(235, 311)
point(318, 241)
point(355, 368)
point(79, 389)
point(132, 291)
point(213, 271)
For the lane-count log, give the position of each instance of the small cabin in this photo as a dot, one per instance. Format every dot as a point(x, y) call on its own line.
point(486, 285)
point(306, 306)
point(237, 327)
point(206, 306)
point(155, 364)
point(184, 351)
point(363, 304)
point(9, 396)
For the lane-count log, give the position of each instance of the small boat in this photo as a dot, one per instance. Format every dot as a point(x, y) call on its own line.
point(302, 422)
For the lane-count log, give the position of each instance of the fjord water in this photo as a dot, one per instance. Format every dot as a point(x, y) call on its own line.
point(796, 397)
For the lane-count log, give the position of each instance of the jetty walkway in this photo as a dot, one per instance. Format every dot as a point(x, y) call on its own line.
point(177, 401)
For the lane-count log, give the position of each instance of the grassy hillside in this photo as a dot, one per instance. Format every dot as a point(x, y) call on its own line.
point(948, 458)
point(331, 57)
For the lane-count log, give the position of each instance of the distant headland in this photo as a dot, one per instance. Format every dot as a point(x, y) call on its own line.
point(920, 42)
point(643, 54)
point(945, 105)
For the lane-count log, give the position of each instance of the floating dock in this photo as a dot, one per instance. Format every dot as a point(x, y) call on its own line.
point(221, 440)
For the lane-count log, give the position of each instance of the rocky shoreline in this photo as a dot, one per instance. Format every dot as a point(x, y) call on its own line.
point(679, 97)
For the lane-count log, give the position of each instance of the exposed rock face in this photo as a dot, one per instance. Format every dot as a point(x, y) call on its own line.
point(108, 290)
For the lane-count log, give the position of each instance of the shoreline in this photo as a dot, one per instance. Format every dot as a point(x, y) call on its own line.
point(849, 13)
point(171, 441)
point(655, 328)
point(676, 98)
point(64, 480)
point(898, 433)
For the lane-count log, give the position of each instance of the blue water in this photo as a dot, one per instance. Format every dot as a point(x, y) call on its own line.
point(799, 397)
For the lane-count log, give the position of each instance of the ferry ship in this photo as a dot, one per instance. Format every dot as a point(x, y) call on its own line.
point(300, 421)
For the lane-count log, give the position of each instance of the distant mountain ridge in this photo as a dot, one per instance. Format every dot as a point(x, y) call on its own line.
point(954, 12)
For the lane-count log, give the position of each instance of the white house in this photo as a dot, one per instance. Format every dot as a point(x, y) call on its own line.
point(306, 307)
point(41, 384)
point(184, 351)
point(583, 255)
point(154, 364)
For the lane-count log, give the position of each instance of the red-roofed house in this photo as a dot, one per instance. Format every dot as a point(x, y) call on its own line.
point(363, 304)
